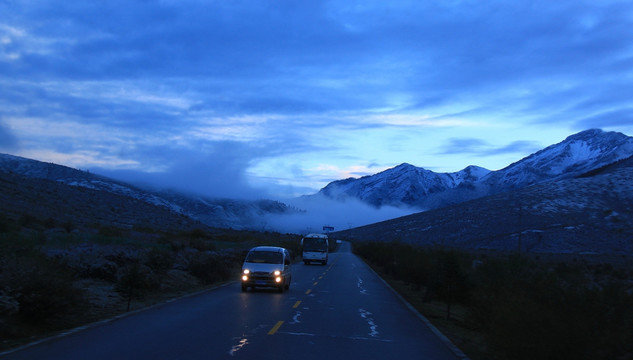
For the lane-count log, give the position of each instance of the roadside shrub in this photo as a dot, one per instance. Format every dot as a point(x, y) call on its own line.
point(160, 261)
point(202, 244)
point(210, 268)
point(111, 231)
point(198, 234)
point(442, 273)
point(68, 226)
point(132, 283)
point(50, 223)
point(531, 312)
point(27, 220)
point(451, 280)
point(45, 292)
point(6, 225)
point(42, 289)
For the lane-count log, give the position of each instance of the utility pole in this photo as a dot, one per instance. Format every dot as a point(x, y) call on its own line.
point(520, 226)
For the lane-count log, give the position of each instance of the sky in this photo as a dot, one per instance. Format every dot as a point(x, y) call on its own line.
point(275, 99)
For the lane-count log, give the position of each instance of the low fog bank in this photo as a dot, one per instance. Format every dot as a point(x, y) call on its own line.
point(319, 211)
point(216, 169)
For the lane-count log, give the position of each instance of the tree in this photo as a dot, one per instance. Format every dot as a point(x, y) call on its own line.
point(131, 283)
point(451, 286)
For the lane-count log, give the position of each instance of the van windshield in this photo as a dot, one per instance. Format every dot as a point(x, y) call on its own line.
point(267, 257)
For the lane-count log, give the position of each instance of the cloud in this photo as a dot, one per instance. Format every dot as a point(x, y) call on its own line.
point(464, 146)
point(612, 118)
point(184, 87)
point(8, 141)
point(515, 147)
point(481, 147)
point(299, 58)
point(216, 169)
point(320, 211)
point(305, 58)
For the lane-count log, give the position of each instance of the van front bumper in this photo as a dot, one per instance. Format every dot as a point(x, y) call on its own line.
point(262, 279)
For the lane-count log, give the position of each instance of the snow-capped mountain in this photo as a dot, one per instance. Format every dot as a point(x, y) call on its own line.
point(403, 184)
point(425, 189)
point(590, 215)
point(73, 177)
point(576, 155)
point(224, 213)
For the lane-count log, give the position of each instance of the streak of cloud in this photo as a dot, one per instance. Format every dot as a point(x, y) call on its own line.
point(480, 147)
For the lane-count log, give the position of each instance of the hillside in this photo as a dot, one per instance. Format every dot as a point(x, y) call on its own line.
point(52, 190)
point(63, 205)
point(68, 195)
point(591, 213)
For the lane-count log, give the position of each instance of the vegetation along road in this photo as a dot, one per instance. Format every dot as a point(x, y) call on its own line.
point(339, 310)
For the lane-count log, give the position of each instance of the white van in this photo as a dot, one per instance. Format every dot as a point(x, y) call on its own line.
point(315, 248)
point(267, 266)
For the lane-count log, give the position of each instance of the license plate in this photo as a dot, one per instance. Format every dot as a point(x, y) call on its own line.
point(260, 282)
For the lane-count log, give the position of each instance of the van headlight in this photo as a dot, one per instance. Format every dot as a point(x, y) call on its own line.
point(277, 273)
point(246, 272)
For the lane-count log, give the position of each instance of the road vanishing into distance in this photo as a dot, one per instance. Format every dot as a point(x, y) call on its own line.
point(339, 311)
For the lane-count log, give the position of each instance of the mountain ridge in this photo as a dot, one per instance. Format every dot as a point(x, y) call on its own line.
point(214, 212)
point(582, 153)
point(409, 185)
point(590, 214)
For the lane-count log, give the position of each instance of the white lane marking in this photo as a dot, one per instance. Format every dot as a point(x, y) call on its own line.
point(370, 321)
point(361, 287)
point(361, 338)
point(295, 319)
point(243, 342)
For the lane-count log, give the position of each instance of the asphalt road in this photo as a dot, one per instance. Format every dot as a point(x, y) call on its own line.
point(339, 311)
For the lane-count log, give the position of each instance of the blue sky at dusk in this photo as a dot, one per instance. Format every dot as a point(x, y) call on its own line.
point(275, 99)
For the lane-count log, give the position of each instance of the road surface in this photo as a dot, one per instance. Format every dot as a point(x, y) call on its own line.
point(339, 311)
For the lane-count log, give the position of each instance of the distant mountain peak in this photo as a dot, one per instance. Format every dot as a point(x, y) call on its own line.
point(581, 152)
point(601, 142)
point(474, 168)
point(405, 165)
point(587, 134)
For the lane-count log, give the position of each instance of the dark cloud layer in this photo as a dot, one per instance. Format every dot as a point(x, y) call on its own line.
point(270, 52)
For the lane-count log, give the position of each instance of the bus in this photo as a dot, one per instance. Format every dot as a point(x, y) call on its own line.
point(315, 248)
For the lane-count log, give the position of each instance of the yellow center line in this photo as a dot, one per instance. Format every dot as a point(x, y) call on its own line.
point(309, 291)
point(275, 328)
point(316, 282)
point(296, 305)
